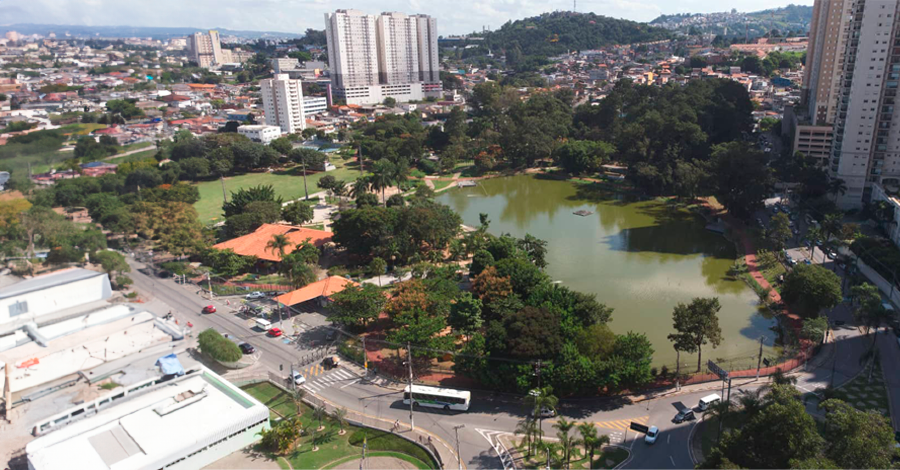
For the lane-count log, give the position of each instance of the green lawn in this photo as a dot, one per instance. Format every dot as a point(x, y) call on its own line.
point(134, 157)
point(441, 184)
point(288, 184)
point(333, 447)
point(139, 145)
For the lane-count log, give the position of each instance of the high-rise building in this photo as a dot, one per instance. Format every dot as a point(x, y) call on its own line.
point(283, 103)
point(205, 49)
point(391, 55)
point(866, 148)
point(824, 59)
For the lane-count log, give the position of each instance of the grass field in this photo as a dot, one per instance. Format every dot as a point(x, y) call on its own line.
point(439, 184)
point(333, 447)
point(134, 157)
point(81, 128)
point(288, 184)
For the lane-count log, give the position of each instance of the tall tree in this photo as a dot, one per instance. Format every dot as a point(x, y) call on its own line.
point(811, 288)
point(697, 324)
point(383, 172)
point(278, 244)
point(538, 400)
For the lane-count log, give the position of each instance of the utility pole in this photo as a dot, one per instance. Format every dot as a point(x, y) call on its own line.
point(365, 357)
point(759, 360)
point(458, 457)
point(209, 284)
point(412, 425)
point(224, 196)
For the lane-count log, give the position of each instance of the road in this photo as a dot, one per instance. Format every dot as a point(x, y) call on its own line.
point(491, 416)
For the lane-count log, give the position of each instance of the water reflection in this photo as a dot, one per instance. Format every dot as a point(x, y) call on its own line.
point(640, 257)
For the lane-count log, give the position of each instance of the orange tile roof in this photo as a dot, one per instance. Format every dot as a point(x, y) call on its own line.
point(254, 244)
point(324, 288)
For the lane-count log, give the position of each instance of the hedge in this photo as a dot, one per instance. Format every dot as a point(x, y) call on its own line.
point(218, 347)
point(380, 440)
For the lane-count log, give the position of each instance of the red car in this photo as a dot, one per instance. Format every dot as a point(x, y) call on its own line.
point(275, 332)
point(209, 309)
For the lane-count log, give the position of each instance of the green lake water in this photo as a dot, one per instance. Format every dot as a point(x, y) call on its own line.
point(639, 257)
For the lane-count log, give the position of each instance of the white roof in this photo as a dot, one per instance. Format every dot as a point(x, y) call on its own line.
point(150, 430)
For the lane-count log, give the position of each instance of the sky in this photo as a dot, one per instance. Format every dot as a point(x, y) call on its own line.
point(295, 16)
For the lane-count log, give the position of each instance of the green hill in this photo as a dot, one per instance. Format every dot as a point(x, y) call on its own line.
point(558, 32)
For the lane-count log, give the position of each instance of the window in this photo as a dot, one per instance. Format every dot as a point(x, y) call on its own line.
point(18, 308)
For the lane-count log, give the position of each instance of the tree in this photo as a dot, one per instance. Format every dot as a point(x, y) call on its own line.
point(278, 243)
point(584, 156)
point(226, 262)
point(465, 314)
point(811, 288)
point(326, 182)
point(741, 178)
point(281, 437)
point(296, 268)
point(836, 186)
point(390, 102)
point(780, 229)
point(721, 411)
point(857, 439)
point(377, 267)
point(217, 346)
point(481, 260)
point(340, 415)
point(357, 305)
point(814, 329)
point(112, 262)
point(697, 324)
point(297, 213)
point(309, 158)
point(563, 427)
point(541, 399)
point(536, 249)
point(490, 286)
point(382, 177)
point(296, 396)
point(396, 200)
point(591, 441)
point(529, 427)
point(244, 196)
point(869, 309)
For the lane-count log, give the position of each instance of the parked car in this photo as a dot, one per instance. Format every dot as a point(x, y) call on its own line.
point(686, 414)
point(247, 348)
point(209, 309)
point(652, 434)
point(275, 332)
point(831, 254)
point(545, 413)
point(255, 295)
point(299, 379)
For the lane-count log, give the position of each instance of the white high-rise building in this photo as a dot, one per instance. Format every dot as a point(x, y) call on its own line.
point(866, 149)
point(283, 103)
point(205, 49)
point(391, 55)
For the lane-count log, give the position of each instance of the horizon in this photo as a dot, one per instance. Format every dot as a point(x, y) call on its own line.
point(295, 16)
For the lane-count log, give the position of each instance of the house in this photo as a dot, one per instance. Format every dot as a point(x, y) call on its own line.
point(254, 244)
point(320, 291)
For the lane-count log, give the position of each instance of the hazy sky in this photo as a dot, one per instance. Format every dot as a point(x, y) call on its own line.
point(454, 16)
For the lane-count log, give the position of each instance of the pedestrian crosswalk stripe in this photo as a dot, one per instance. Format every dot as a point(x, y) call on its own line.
point(621, 424)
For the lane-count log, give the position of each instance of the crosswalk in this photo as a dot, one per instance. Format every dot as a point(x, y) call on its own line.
point(621, 424)
point(319, 379)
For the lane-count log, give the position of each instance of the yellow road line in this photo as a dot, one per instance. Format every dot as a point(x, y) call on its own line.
point(621, 424)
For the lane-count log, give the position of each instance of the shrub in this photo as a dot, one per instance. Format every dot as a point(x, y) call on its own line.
point(218, 347)
point(380, 440)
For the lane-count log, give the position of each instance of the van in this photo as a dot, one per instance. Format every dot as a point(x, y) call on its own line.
point(706, 401)
point(263, 324)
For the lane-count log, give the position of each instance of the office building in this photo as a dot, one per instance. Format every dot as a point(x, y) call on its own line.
point(283, 103)
point(187, 422)
point(866, 149)
point(391, 55)
point(205, 49)
point(261, 133)
point(314, 105)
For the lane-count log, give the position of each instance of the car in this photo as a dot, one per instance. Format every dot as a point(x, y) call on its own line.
point(792, 262)
point(819, 243)
point(209, 309)
point(298, 378)
point(255, 295)
point(545, 412)
point(330, 335)
point(794, 217)
point(275, 332)
point(806, 261)
point(652, 434)
point(831, 254)
point(685, 414)
point(247, 348)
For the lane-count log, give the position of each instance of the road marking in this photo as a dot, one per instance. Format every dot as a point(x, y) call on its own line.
point(501, 450)
point(668, 438)
point(622, 424)
point(349, 384)
point(673, 460)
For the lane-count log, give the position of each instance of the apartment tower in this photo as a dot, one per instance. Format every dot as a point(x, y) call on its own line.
point(205, 49)
point(375, 57)
point(283, 103)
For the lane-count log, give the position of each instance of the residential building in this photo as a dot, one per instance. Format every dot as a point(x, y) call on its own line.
point(205, 49)
point(260, 132)
point(866, 135)
point(888, 193)
point(187, 422)
point(391, 55)
point(824, 59)
point(314, 105)
point(814, 141)
point(283, 103)
point(282, 65)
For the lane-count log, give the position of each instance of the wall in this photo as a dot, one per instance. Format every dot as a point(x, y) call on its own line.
point(53, 299)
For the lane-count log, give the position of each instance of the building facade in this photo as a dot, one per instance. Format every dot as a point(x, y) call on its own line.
point(392, 55)
point(260, 133)
point(283, 103)
point(314, 105)
point(205, 49)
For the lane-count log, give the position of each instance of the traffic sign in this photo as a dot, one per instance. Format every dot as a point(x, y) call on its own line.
point(715, 369)
point(639, 427)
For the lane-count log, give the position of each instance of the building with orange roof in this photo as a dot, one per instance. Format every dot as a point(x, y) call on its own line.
point(320, 291)
point(254, 244)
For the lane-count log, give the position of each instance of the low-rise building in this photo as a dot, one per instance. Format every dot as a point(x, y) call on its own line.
point(260, 132)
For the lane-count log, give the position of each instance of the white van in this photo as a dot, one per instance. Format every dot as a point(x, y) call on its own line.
point(706, 401)
point(263, 324)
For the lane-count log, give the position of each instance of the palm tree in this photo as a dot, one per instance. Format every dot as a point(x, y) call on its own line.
point(591, 440)
point(340, 415)
point(563, 426)
point(401, 173)
point(751, 401)
point(319, 413)
point(297, 397)
point(539, 400)
point(278, 243)
point(528, 428)
point(836, 186)
point(382, 177)
point(360, 186)
point(720, 410)
point(832, 225)
point(339, 189)
point(814, 234)
point(780, 378)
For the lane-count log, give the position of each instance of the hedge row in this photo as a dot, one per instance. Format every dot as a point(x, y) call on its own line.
point(218, 347)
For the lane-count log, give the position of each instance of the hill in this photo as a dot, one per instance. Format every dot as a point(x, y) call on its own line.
point(792, 18)
point(78, 31)
point(555, 33)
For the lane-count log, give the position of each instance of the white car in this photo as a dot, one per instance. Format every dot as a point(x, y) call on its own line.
point(255, 295)
point(652, 433)
point(299, 379)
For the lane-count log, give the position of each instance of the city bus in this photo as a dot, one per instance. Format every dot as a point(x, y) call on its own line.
point(435, 397)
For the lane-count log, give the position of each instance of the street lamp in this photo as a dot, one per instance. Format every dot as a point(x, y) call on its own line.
point(458, 456)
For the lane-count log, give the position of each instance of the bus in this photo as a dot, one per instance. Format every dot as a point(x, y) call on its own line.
point(435, 397)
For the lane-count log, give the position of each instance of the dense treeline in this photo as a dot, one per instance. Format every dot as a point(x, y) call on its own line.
point(558, 32)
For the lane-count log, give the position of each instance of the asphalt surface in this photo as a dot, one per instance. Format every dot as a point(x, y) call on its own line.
point(492, 416)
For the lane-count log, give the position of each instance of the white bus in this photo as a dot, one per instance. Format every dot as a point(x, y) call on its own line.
point(435, 397)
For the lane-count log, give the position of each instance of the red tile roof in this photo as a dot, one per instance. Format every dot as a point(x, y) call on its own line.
point(324, 288)
point(254, 244)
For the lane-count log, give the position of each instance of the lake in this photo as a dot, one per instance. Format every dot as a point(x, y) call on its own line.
point(639, 257)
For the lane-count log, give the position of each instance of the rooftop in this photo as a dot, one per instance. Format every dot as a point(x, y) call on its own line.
point(324, 288)
point(44, 281)
point(254, 244)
